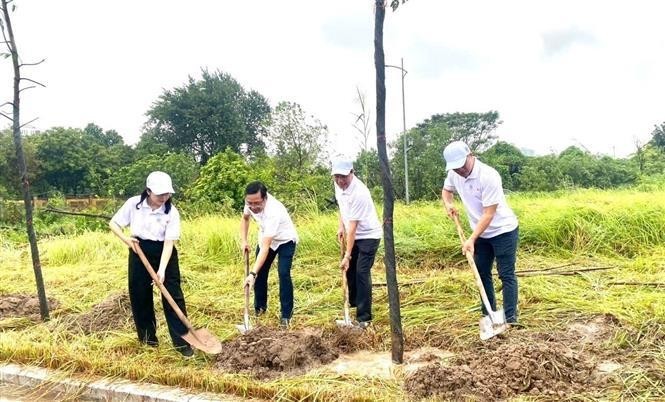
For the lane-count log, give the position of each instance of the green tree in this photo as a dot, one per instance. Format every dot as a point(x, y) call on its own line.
point(475, 129)
point(222, 180)
point(9, 180)
point(508, 160)
point(540, 173)
point(426, 167)
point(368, 169)
point(105, 138)
point(206, 116)
point(299, 140)
point(658, 137)
point(129, 180)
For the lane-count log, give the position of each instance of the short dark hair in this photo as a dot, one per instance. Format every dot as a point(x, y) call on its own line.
point(255, 187)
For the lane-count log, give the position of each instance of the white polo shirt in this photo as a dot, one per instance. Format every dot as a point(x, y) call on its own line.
point(146, 223)
point(274, 221)
point(483, 188)
point(355, 204)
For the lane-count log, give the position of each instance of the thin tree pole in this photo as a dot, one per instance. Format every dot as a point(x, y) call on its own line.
point(22, 169)
point(397, 337)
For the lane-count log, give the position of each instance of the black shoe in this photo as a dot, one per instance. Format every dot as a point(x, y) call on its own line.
point(285, 323)
point(186, 351)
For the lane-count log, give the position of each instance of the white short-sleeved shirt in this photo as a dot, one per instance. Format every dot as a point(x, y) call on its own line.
point(483, 188)
point(146, 223)
point(355, 204)
point(274, 221)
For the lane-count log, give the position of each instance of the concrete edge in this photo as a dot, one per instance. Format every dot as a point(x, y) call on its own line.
point(103, 389)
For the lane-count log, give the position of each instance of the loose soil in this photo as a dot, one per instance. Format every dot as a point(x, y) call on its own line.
point(111, 314)
point(550, 365)
point(266, 353)
point(20, 305)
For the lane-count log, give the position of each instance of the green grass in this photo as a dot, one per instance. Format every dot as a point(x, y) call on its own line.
point(622, 229)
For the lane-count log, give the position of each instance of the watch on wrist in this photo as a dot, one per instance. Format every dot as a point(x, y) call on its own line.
point(252, 273)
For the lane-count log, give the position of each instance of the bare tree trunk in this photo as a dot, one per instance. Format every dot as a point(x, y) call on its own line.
point(397, 337)
point(23, 171)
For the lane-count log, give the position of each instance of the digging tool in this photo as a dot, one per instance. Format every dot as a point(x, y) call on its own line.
point(494, 322)
point(246, 325)
point(201, 339)
point(346, 322)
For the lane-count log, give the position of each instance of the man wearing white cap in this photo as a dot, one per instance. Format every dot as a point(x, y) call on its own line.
point(359, 222)
point(494, 224)
point(154, 225)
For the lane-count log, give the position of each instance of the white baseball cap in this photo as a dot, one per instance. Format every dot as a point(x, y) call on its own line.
point(342, 167)
point(455, 154)
point(159, 183)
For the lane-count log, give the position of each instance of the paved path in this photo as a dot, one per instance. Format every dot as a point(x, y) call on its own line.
point(27, 383)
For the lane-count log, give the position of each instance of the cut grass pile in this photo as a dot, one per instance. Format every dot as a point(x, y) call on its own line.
point(618, 229)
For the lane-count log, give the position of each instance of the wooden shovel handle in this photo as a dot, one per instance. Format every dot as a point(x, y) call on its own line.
point(162, 288)
point(472, 264)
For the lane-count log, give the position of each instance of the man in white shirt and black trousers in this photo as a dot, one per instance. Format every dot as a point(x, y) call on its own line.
point(359, 223)
point(277, 237)
point(494, 224)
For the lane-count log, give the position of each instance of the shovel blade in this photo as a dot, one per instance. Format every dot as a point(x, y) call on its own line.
point(492, 325)
point(203, 340)
point(245, 327)
point(344, 323)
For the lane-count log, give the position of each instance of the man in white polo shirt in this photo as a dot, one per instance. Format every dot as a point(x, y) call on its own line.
point(494, 224)
point(277, 237)
point(359, 222)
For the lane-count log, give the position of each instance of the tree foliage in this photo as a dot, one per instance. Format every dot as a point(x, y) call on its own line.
point(658, 137)
point(129, 180)
point(222, 180)
point(206, 116)
point(299, 141)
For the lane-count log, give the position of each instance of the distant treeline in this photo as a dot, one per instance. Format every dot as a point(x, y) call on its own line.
point(213, 136)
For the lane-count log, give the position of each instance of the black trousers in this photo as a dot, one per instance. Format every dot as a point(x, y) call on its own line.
point(140, 294)
point(359, 277)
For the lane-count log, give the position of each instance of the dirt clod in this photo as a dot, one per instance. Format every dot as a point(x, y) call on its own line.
point(21, 305)
point(265, 352)
point(536, 364)
point(111, 314)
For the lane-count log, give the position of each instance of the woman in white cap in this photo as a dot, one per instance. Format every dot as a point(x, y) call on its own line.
point(154, 225)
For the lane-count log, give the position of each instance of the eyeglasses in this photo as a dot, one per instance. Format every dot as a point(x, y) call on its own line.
point(255, 203)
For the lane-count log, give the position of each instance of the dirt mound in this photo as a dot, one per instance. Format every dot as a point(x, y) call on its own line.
point(265, 352)
point(351, 339)
point(20, 305)
point(113, 313)
point(550, 365)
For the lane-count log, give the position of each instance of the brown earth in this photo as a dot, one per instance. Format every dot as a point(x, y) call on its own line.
point(111, 314)
point(550, 365)
point(20, 305)
point(265, 352)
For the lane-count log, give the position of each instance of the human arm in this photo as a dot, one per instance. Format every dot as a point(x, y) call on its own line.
point(483, 223)
point(447, 198)
point(350, 242)
point(167, 251)
point(131, 242)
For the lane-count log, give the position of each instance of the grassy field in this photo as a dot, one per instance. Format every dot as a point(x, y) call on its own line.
point(620, 231)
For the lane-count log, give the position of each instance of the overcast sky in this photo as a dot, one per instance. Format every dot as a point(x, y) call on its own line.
point(559, 73)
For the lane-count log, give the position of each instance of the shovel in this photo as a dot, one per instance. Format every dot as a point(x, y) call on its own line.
point(201, 339)
point(346, 322)
point(245, 326)
point(494, 322)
